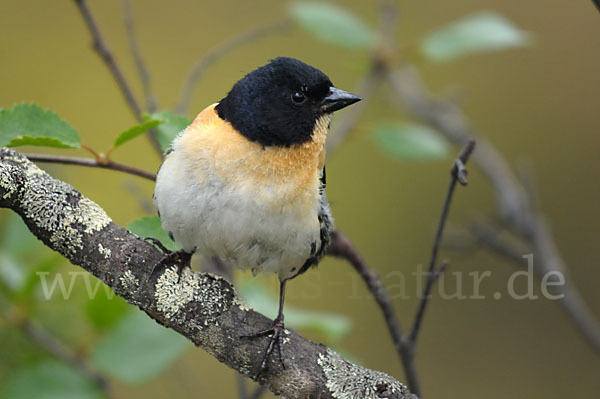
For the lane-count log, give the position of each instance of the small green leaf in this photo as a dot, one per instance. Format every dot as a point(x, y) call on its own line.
point(333, 24)
point(480, 32)
point(151, 227)
point(50, 380)
point(137, 349)
point(333, 326)
point(135, 131)
point(171, 126)
point(30, 124)
point(411, 141)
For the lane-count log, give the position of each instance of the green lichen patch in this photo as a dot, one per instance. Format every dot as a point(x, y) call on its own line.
point(174, 293)
point(349, 381)
point(7, 182)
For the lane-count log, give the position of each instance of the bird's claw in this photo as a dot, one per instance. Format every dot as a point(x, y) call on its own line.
point(157, 244)
point(181, 257)
point(275, 332)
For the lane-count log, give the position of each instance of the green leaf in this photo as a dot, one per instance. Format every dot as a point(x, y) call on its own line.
point(333, 326)
point(333, 24)
point(30, 124)
point(135, 131)
point(171, 126)
point(151, 227)
point(50, 380)
point(480, 32)
point(137, 349)
point(411, 141)
point(105, 311)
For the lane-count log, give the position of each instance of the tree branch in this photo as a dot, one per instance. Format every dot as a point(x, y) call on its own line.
point(200, 306)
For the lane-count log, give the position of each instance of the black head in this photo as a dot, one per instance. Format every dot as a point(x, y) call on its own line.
point(279, 103)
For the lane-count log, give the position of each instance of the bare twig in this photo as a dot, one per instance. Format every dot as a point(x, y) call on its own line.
point(104, 52)
point(108, 58)
point(408, 347)
point(457, 174)
point(91, 163)
point(217, 52)
point(137, 57)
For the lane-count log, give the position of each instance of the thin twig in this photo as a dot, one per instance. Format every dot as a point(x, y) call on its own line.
point(92, 163)
point(102, 49)
point(217, 52)
point(458, 174)
point(106, 55)
point(137, 57)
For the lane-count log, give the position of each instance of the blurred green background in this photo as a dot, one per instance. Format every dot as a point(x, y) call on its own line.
point(538, 105)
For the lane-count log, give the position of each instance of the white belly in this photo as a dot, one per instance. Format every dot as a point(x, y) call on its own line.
point(243, 225)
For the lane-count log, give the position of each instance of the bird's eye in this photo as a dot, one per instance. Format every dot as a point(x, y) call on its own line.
point(298, 97)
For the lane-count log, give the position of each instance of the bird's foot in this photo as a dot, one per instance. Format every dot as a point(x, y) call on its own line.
point(182, 258)
point(276, 333)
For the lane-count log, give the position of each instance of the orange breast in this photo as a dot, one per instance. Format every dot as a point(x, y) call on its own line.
point(278, 175)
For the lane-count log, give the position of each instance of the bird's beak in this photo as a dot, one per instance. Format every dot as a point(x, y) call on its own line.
point(337, 99)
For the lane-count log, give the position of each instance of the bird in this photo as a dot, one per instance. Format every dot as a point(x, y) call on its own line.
point(245, 181)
